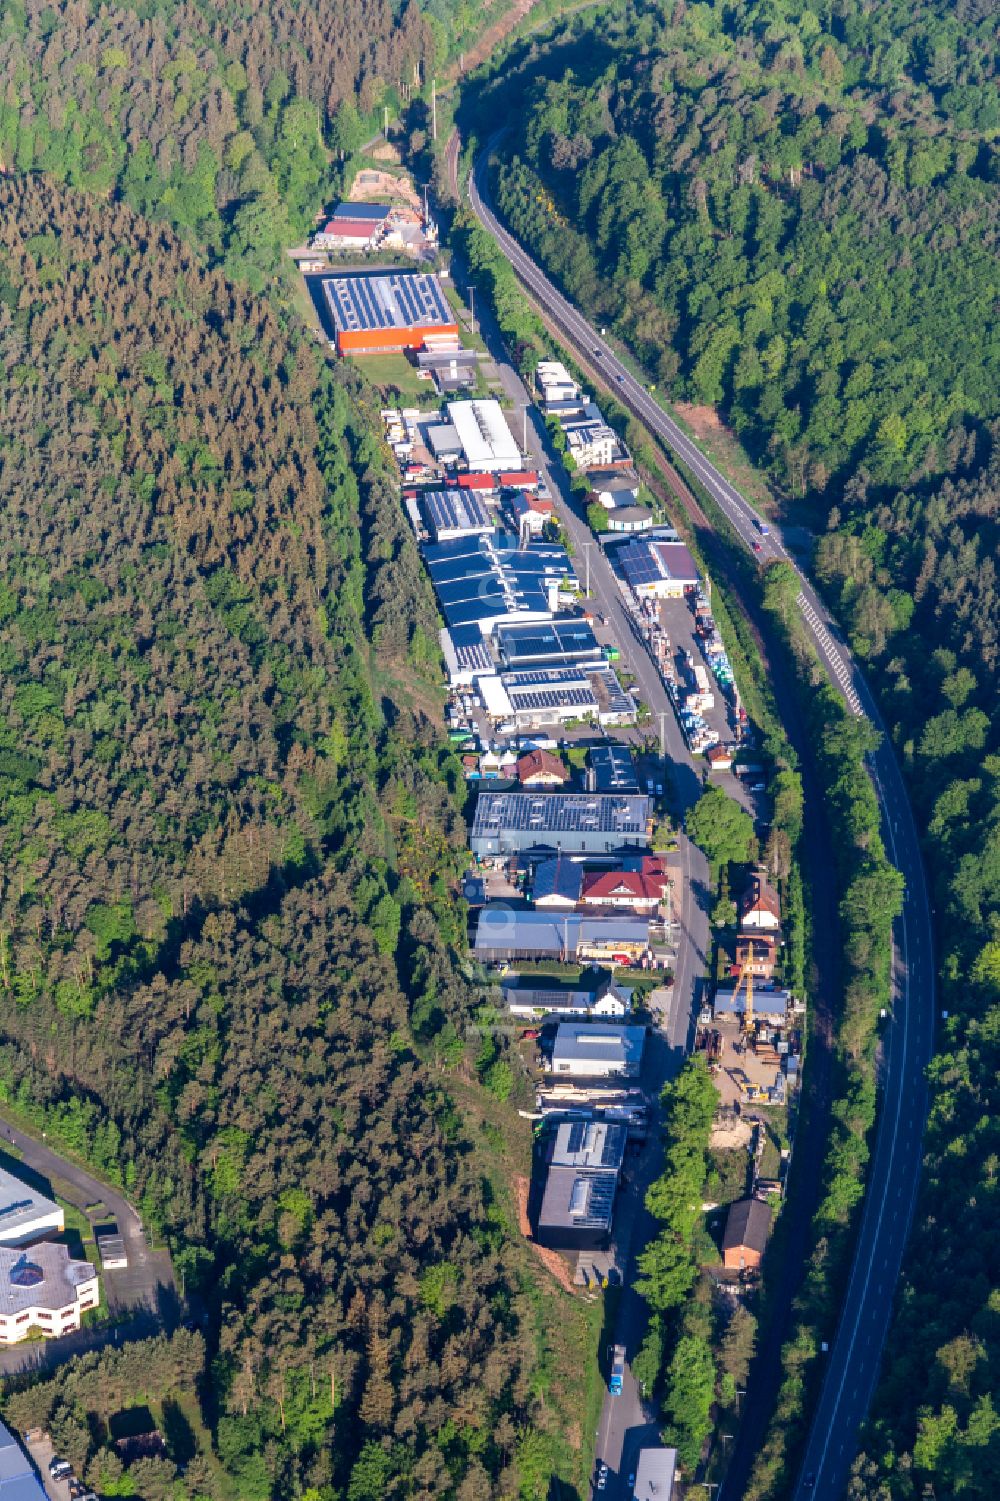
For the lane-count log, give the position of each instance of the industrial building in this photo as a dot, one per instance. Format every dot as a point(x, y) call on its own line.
point(503, 934)
point(510, 823)
point(768, 1005)
point(454, 513)
point(484, 439)
point(466, 654)
point(655, 568)
point(654, 1475)
point(584, 1164)
point(26, 1214)
point(353, 226)
point(451, 370)
point(18, 1480)
point(487, 580)
point(549, 696)
point(557, 883)
point(598, 1050)
point(551, 641)
point(43, 1289)
point(612, 769)
point(388, 310)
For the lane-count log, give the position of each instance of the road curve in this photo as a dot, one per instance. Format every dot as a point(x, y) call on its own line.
point(894, 1177)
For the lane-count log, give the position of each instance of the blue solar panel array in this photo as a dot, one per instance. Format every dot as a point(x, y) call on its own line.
point(394, 300)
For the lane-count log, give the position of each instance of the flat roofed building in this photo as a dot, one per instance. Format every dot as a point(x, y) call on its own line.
point(42, 1288)
point(656, 569)
point(487, 442)
point(598, 1050)
point(543, 695)
point(577, 1209)
point(466, 655)
point(387, 310)
point(592, 1144)
point(772, 1005)
point(548, 641)
point(654, 1475)
point(575, 822)
point(488, 580)
point(613, 768)
point(503, 934)
point(26, 1214)
point(594, 443)
point(454, 513)
point(18, 1481)
point(114, 1253)
point(628, 519)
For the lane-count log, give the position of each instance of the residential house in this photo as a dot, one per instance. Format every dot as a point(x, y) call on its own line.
point(540, 768)
point(748, 1226)
point(629, 890)
point(759, 906)
point(756, 952)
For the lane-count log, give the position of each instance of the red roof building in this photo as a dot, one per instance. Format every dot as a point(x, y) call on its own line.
point(484, 484)
point(623, 888)
point(759, 904)
point(765, 953)
point(539, 768)
point(518, 479)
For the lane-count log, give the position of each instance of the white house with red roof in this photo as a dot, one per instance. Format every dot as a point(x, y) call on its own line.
point(634, 890)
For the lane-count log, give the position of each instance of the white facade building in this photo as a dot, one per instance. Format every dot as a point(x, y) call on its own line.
point(486, 440)
point(26, 1214)
point(42, 1288)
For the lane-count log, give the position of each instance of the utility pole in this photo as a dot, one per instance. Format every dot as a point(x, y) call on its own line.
point(385, 121)
point(588, 546)
point(472, 307)
point(434, 110)
point(524, 437)
point(663, 734)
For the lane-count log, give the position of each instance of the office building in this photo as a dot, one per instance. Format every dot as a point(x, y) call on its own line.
point(509, 823)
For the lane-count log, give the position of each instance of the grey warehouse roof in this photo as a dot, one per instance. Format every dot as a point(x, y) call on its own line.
point(613, 768)
point(393, 299)
point(555, 813)
point(556, 638)
point(478, 577)
point(580, 1200)
point(18, 1481)
point(450, 510)
point(559, 877)
point(608, 1043)
point(765, 1002)
point(502, 930)
point(593, 1144)
point(654, 1474)
point(20, 1205)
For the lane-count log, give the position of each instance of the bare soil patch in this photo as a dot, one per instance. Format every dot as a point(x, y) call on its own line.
point(551, 1260)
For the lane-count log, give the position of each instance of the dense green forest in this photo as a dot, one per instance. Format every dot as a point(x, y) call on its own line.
point(228, 120)
point(229, 832)
point(791, 214)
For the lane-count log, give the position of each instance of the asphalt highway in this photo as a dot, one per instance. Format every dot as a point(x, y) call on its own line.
point(856, 1345)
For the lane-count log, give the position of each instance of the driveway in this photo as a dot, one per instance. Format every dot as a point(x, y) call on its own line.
point(143, 1293)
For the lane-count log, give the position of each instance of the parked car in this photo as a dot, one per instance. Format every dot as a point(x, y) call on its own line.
point(60, 1469)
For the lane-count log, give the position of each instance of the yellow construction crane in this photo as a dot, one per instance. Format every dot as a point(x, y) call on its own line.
point(746, 975)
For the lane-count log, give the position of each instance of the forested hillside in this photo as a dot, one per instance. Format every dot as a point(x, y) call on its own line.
point(228, 120)
point(792, 215)
point(223, 847)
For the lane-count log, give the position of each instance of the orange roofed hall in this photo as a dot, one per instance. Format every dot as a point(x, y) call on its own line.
point(394, 310)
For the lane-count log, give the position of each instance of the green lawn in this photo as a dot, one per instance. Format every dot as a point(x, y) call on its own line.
point(394, 373)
